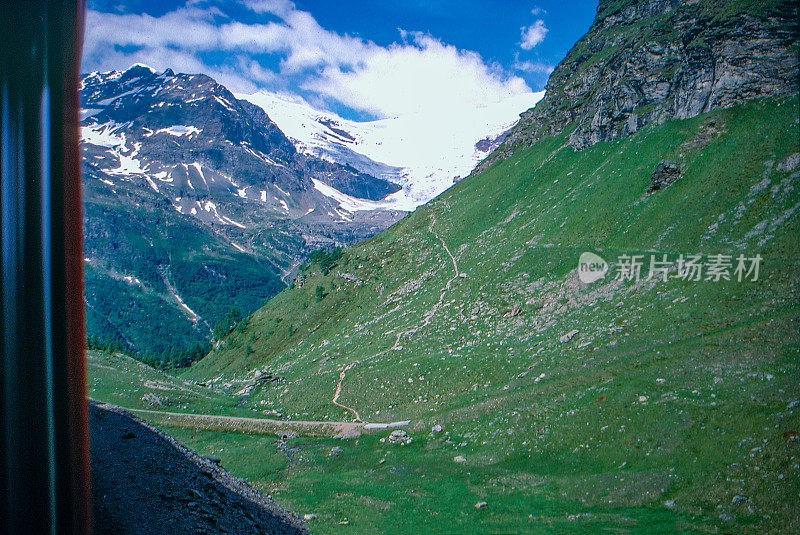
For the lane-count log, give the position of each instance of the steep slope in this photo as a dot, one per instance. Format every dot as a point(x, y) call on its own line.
point(662, 402)
point(186, 493)
point(196, 202)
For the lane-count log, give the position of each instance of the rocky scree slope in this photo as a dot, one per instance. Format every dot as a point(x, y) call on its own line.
point(649, 61)
point(197, 202)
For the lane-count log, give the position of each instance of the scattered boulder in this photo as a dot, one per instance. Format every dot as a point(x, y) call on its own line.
point(738, 499)
point(459, 459)
point(398, 436)
point(436, 428)
point(790, 163)
point(480, 505)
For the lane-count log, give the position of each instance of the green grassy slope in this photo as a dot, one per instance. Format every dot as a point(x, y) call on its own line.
point(126, 382)
point(669, 410)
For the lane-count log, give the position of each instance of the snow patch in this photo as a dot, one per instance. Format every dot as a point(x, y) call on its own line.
point(103, 135)
point(210, 207)
point(179, 130)
point(349, 203)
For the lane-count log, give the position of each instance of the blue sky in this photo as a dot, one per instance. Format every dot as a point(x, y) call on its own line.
point(364, 59)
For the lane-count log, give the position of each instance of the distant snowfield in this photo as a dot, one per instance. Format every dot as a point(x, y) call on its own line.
point(424, 153)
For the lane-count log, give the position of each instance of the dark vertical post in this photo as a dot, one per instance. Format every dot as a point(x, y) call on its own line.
point(44, 465)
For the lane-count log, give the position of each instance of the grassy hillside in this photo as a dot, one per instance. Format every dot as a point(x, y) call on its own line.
point(126, 382)
point(673, 408)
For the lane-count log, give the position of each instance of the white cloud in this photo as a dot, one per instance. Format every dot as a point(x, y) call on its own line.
point(533, 67)
point(277, 7)
point(533, 35)
point(420, 74)
point(423, 76)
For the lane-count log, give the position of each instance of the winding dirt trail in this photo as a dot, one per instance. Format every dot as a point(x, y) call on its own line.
point(424, 323)
point(338, 391)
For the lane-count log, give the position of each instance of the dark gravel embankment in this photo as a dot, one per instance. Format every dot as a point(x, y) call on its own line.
point(144, 482)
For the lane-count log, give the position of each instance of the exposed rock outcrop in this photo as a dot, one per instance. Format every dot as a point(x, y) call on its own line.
point(653, 60)
point(665, 174)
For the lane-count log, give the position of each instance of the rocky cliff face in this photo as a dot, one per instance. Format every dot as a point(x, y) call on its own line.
point(652, 60)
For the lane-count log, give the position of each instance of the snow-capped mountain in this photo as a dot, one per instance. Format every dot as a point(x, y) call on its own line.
point(424, 153)
point(196, 201)
point(186, 136)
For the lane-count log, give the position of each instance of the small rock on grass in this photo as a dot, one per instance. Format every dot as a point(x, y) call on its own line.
point(568, 336)
point(480, 505)
point(459, 459)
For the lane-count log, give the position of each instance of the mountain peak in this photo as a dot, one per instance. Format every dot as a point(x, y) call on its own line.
point(140, 67)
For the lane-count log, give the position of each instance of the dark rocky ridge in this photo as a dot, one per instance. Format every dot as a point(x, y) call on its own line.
point(653, 60)
point(665, 174)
